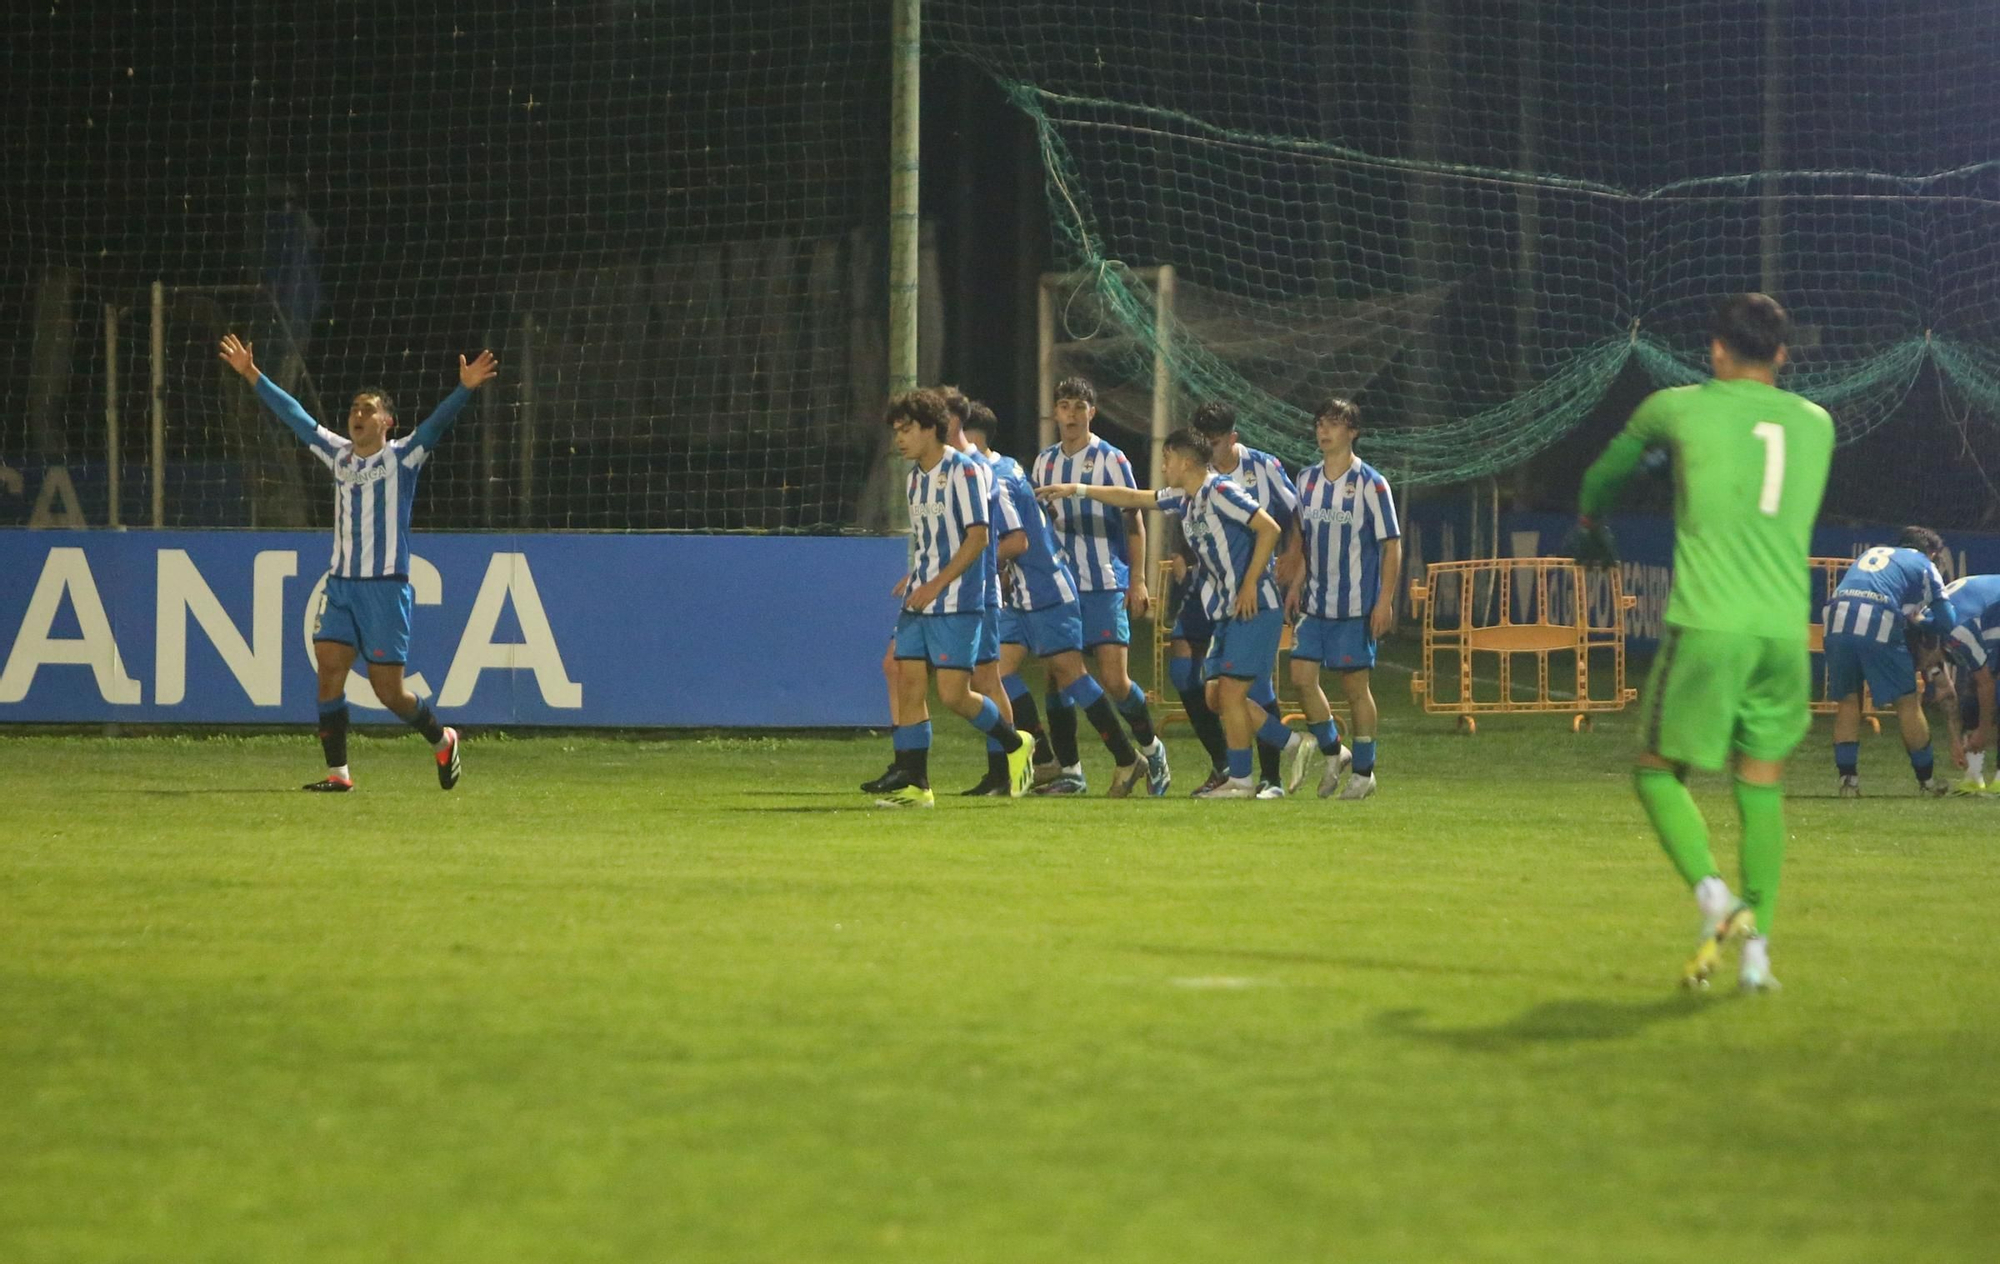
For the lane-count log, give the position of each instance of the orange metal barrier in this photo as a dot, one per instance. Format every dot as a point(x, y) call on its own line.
point(1490, 612)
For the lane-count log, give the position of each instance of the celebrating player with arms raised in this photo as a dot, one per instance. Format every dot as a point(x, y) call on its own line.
point(366, 609)
point(1733, 674)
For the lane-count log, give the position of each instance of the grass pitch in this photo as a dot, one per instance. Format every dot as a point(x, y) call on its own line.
point(691, 1000)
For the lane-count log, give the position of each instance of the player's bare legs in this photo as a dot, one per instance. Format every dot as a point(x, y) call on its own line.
point(1231, 700)
point(333, 660)
point(1362, 719)
point(390, 691)
point(1319, 722)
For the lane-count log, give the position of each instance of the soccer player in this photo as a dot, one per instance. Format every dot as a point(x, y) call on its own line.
point(1100, 544)
point(1235, 541)
point(366, 609)
point(1042, 615)
point(1352, 554)
point(1264, 477)
point(944, 601)
point(1750, 464)
point(986, 668)
point(1974, 646)
point(1885, 592)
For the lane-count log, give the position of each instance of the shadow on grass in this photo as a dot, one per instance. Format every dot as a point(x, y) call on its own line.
point(194, 790)
point(1341, 962)
point(1552, 1022)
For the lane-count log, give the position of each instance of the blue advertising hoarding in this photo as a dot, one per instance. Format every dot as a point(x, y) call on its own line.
point(617, 630)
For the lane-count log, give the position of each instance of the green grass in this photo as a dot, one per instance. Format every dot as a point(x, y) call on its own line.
point(689, 1000)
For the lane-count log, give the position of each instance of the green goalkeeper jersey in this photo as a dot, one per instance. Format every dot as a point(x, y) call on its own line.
point(1750, 464)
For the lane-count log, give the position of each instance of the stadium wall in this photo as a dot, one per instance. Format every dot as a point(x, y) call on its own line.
point(614, 630)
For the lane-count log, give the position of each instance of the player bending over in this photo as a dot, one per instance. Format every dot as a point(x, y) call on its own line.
point(1352, 560)
point(1973, 646)
point(1100, 545)
point(1235, 541)
point(944, 602)
point(1886, 592)
point(1263, 476)
point(1733, 674)
point(366, 608)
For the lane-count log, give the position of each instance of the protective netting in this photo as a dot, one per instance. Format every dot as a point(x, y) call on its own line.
point(665, 218)
point(1478, 216)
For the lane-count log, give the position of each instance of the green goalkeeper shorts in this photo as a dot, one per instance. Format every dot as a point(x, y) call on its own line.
point(1713, 692)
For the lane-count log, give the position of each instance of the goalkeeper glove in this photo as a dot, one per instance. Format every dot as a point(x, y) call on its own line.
point(1592, 544)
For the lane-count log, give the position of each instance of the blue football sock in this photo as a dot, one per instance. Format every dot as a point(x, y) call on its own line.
point(1016, 688)
point(1327, 736)
point(989, 715)
point(1273, 731)
point(1364, 755)
point(1922, 763)
point(1133, 708)
point(913, 736)
point(1847, 758)
point(1082, 691)
point(1239, 763)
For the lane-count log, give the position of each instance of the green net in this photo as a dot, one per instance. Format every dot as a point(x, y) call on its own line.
point(1478, 217)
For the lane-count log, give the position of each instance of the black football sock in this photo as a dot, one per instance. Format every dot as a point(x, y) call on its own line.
point(1104, 718)
point(333, 732)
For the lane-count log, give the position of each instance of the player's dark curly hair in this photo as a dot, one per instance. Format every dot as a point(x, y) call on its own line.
point(1214, 419)
point(1920, 642)
point(1189, 442)
point(1340, 410)
point(925, 407)
point(1923, 540)
point(387, 404)
point(1753, 326)
point(1077, 388)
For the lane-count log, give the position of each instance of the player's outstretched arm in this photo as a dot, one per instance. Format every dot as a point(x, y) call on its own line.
point(470, 378)
point(1123, 497)
point(237, 354)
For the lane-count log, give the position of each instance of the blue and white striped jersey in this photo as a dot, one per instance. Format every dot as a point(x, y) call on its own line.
point(1343, 520)
point(1092, 534)
point(1975, 636)
point(372, 494)
point(1038, 578)
point(1264, 477)
point(946, 501)
point(1884, 586)
point(1216, 521)
point(990, 564)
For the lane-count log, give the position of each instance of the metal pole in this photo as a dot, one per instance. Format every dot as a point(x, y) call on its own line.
point(524, 482)
point(1045, 364)
point(111, 447)
point(159, 371)
point(1163, 402)
point(905, 63)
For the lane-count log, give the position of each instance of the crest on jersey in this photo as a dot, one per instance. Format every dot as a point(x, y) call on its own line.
point(1089, 462)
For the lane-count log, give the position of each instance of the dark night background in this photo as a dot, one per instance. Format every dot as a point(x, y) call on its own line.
point(675, 211)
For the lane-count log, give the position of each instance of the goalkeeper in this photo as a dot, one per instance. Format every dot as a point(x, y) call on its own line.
point(1733, 674)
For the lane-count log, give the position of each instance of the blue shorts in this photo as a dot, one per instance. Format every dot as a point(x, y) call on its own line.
point(1336, 644)
point(1191, 623)
point(1104, 621)
point(1047, 632)
point(989, 638)
point(1885, 665)
point(1245, 649)
point(372, 615)
point(942, 640)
